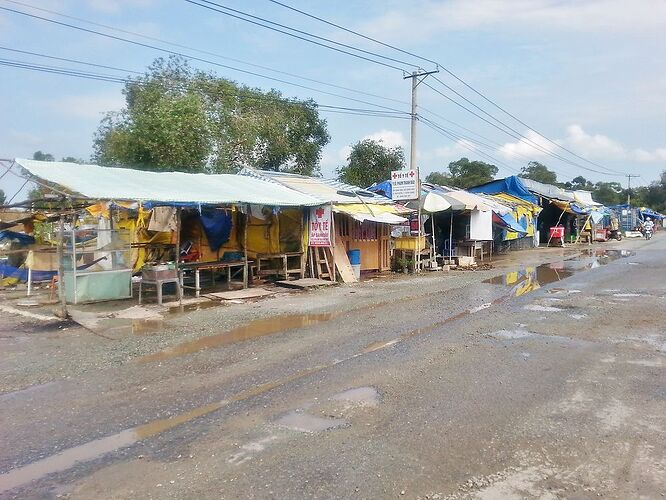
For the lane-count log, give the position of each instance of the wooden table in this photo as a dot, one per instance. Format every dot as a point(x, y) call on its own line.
point(197, 267)
point(264, 268)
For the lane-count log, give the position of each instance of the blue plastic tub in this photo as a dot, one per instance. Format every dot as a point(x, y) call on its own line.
point(354, 257)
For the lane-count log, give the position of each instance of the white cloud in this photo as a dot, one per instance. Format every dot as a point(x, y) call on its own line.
point(389, 138)
point(424, 19)
point(591, 146)
point(457, 149)
point(531, 145)
point(90, 106)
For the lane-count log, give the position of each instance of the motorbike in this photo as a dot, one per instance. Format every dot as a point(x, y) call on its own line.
point(615, 234)
point(647, 232)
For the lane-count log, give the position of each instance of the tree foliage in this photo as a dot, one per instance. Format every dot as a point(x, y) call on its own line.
point(41, 156)
point(369, 162)
point(538, 172)
point(3, 198)
point(464, 173)
point(177, 118)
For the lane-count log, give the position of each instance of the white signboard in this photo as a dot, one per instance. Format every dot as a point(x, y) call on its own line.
point(320, 226)
point(404, 185)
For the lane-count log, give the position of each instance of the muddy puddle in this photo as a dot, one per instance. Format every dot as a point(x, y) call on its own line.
point(530, 279)
point(304, 422)
point(252, 330)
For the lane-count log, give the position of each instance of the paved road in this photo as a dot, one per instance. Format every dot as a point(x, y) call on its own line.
point(480, 390)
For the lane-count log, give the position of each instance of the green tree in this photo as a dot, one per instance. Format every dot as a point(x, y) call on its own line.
point(41, 156)
point(464, 173)
point(71, 159)
point(579, 182)
point(176, 118)
point(369, 162)
point(3, 198)
point(538, 172)
point(608, 193)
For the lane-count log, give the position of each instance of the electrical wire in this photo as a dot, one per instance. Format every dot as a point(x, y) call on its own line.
point(200, 51)
point(453, 75)
point(116, 79)
point(194, 58)
point(237, 14)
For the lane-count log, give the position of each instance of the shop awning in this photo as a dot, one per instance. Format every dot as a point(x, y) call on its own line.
point(385, 214)
point(107, 183)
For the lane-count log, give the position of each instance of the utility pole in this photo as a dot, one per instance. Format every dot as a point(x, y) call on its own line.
point(412, 156)
point(629, 177)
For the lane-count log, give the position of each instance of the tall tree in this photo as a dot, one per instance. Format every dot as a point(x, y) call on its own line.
point(369, 162)
point(3, 198)
point(579, 182)
point(41, 156)
point(538, 172)
point(608, 193)
point(464, 173)
point(176, 118)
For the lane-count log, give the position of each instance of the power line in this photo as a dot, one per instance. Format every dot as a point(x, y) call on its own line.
point(517, 136)
point(456, 77)
point(194, 58)
point(200, 51)
point(237, 14)
point(116, 79)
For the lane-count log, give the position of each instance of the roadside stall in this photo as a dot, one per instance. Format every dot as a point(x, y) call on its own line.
point(166, 225)
point(360, 224)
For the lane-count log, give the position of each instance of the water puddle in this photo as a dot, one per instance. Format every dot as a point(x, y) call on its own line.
point(97, 448)
point(530, 279)
point(539, 308)
point(511, 334)
point(254, 329)
point(361, 396)
point(304, 422)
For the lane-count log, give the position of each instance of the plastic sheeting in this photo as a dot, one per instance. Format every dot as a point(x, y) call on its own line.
point(21, 238)
point(384, 214)
point(512, 185)
point(511, 223)
point(107, 183)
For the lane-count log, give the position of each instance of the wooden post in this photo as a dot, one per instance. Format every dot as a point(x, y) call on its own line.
point(179, 216)
point(334, 237)
point(62, 312)
point(246, 267)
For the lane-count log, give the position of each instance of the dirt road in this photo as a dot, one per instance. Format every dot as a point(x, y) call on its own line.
point(541, 384)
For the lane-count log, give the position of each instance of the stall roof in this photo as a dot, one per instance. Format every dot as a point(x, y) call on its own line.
point(511, 185)
point(325, 190)
point(548, 190)
point(109, 183)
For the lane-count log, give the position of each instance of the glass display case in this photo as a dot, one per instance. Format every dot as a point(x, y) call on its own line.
point(97, 265)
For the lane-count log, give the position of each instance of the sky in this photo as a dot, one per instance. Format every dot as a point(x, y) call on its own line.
point(587, 74)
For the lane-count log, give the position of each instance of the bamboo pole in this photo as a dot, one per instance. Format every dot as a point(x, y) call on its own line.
point(246, 267)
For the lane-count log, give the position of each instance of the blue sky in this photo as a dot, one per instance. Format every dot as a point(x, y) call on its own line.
point(588, 74)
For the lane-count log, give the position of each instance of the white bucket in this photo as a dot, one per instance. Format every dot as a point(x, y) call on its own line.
point(357, 270)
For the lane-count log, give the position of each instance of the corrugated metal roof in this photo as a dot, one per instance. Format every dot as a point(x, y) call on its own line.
point(325, 190)
point(107, 183)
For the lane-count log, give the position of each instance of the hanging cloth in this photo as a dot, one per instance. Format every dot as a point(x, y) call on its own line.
point(163, 219)
point(217, 226)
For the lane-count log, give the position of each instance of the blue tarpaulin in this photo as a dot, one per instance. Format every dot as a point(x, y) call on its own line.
point(22, 238)
point(511, 223)
point(385, 188)
point(510, 185)
point(7, 271)
point(217, 226)
point(647, 212)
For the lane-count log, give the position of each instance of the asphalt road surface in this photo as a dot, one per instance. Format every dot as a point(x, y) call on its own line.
point(548, 383)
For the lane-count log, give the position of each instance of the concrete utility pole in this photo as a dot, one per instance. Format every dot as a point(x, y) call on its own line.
point(412, 155)
point(629, 177)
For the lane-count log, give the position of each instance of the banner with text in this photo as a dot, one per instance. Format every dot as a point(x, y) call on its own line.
point(320, 226)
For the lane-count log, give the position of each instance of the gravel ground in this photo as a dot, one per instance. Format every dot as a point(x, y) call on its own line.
point(433, 386)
